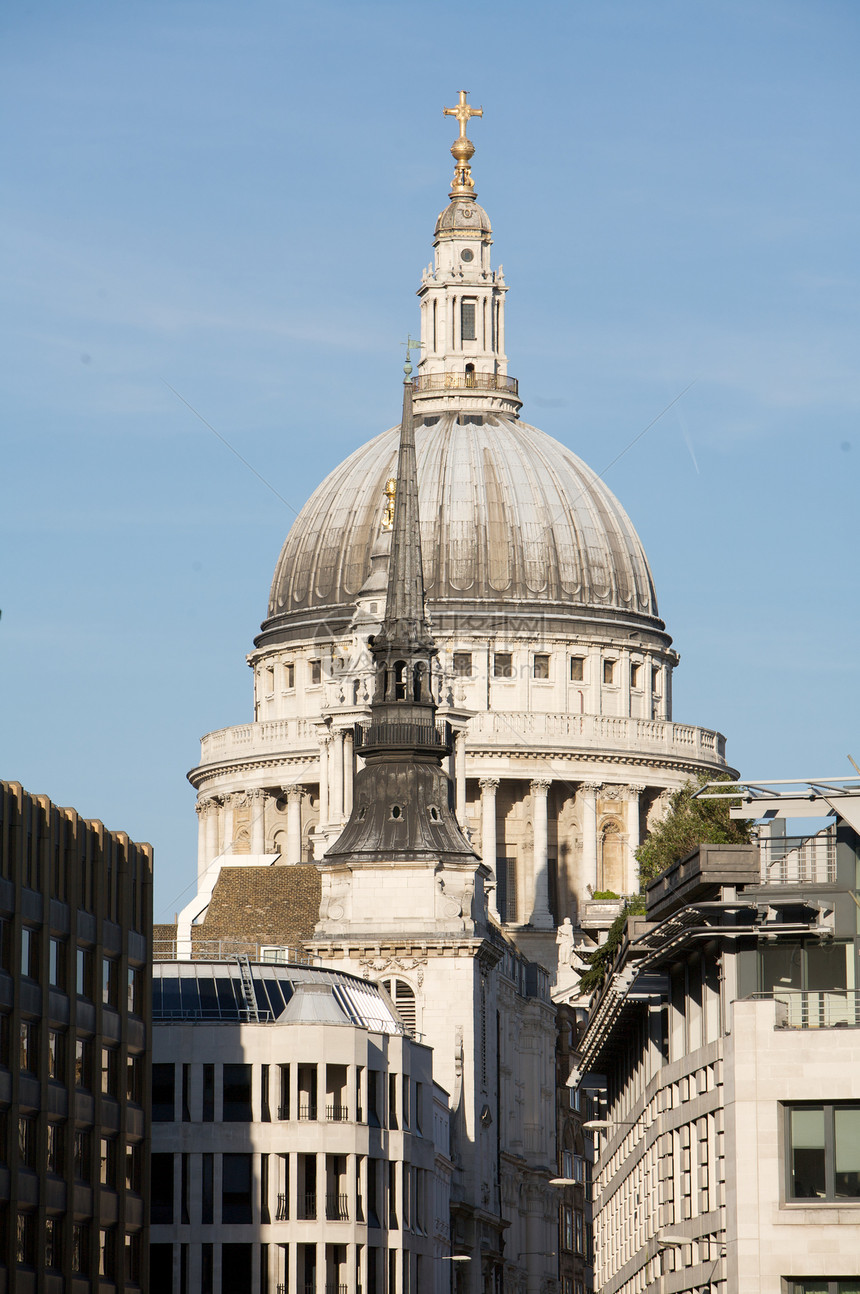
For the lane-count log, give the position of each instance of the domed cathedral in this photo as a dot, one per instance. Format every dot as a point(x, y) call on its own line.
point(554, 669)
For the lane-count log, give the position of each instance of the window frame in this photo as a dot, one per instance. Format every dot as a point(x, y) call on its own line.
point(545, 658)
point(499, 656)
point(830, 1199)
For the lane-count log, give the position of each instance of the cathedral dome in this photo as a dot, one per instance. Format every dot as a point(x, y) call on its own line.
point(516, 531)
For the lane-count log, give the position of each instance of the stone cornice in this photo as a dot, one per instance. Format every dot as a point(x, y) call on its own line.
point(413, 948)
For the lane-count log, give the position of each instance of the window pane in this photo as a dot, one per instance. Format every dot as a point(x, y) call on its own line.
point(467, 320)
point(808, 1179)
point(541, 666)
point(847, 1139)
point(577, 669)
point(237, 1094)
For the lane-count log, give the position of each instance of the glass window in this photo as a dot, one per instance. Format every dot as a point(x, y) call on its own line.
point(80, 1247)
point(316, 672)
point(83, 973)
point(132, 1167)
point(27, 1141)
point(236, 1188)
point(463, 664)
point(577, 669)
point(541, 666)
point(29, 1050)
point(83, 1064)
point(237, 1094)
point(503, 665)
point(110, 1070)
point(110, 982)
point(823, 1152)
point(54, 1148)
point(163, 1098)
point(29, 952)
point(635, 675)
point(609, 671)
point(133, 986)
point(56, 1055)
point(82, 1155)
point(53, 1247)
point(208, 1114)
point(290, 676)
point(161, 1189)
point(56, 964)
point(107, 1162)
point(132, 1079)
point(467, 320)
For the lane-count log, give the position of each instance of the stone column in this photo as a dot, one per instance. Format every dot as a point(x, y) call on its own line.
point(231, 804)
point(202, 810)
point(294, 823)
point(212, 820)
point(488, 787)
point(325, 742)
point(336, 773)
point(257, 800)
point(589, 836)
point(633, 792)
point(460, 776)
point(541, 916)
point(348, 772)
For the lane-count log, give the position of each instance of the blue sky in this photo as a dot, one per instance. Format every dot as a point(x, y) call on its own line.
point(237, 201)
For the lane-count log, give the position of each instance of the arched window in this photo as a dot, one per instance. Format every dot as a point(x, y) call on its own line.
point(356, 686)
point(400, 680)
point(418, 682)
point(403, 996)
point(470, 375)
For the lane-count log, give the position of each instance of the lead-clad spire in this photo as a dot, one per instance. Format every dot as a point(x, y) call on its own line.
point(405, 628)
point(402, 803)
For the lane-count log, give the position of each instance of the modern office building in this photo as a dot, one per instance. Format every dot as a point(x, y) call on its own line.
point(75, 930)
point(725, 1044)
point(294, 1137)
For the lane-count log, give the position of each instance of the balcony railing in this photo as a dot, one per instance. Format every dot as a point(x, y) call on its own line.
point(464, 381)
point(307, 1207)
point(307, 1110)
point(798, 860)
point(835, 1008)
point(227, 950)
point(337, 1113)
point(334, 1288)
point(282, 1212)
point(337, 1208)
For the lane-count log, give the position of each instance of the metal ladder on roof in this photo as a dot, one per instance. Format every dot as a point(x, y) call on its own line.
point(248, 988)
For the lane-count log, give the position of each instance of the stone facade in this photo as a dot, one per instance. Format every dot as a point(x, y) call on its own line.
point(75, 930)
point(732, 1012)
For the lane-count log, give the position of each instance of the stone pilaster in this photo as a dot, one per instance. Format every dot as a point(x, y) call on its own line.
point(488, 787)
point(541, 916)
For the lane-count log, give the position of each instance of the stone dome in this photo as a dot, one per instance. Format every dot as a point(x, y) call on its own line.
point(518, 535)
point(463, 216)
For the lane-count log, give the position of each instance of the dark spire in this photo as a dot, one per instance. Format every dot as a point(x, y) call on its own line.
point(405, 628)
point(402, 802)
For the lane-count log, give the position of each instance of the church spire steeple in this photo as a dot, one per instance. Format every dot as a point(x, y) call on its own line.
point(402, 803)
point(404, 628)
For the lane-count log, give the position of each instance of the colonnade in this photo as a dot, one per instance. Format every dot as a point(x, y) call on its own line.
point(602, 811)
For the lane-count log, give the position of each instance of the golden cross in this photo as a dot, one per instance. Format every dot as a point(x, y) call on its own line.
point(463, 112)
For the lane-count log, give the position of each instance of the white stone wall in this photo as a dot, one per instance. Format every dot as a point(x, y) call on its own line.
point(410, 1150)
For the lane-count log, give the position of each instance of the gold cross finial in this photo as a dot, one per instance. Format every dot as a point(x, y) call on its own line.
point(463, 148)
point(463, 112)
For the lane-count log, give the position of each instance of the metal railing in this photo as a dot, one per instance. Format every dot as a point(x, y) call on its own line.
point(337, 1208)
point(308, 1207)
point(335, 1288)
point(798, 860)
point(282, 1211)
point(834, 1008)
point(283, 1110)
point(337, 1113)
point(227, 950)
point(469, 381)
point(307, 1110)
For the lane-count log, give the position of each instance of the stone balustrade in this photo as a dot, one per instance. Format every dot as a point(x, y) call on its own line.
point(498, 730)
